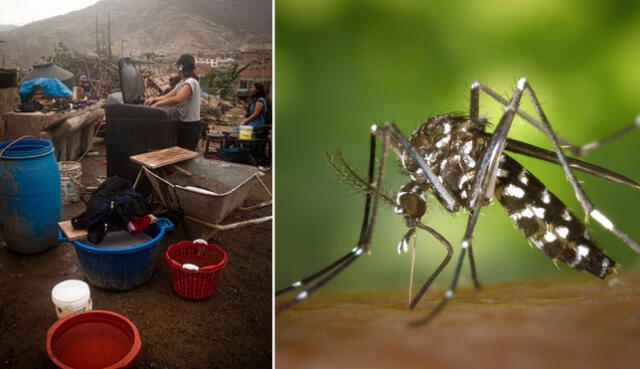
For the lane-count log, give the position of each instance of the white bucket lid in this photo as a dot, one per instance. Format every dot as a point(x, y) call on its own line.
point(70, 290)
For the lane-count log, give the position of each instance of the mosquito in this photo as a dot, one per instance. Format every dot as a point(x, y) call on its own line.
point(453, 158)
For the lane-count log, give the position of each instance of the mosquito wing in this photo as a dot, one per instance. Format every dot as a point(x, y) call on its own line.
point(524, 148)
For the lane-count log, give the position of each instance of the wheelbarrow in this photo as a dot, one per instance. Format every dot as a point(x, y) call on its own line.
point(206, 206)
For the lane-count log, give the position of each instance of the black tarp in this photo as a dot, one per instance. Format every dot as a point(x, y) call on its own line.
point(50, 70)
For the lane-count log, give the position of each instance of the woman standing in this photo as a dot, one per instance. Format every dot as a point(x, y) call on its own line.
point(186, 99)
point(258, 107)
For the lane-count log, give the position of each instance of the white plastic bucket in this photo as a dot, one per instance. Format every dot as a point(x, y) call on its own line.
point(70, 173)
point(246, 132)
point(71, 296)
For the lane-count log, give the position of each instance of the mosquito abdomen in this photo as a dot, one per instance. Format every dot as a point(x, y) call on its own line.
point(546, 221)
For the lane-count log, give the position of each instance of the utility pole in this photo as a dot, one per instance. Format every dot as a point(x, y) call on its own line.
point(109, 34)
point(122, 48)
point(97, 42)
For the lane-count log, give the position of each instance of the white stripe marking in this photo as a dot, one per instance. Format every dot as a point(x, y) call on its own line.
point(562, 231)
point(545, 196)
point(523, 177)
point(468, 160)
point(597, 215)
point(539, 212)
point(403, 246)
point(468, 146)
point(443, 141)
point(583, 251)
point(448, 294)
point(566, 215)
point(465, 177)
point(514, 191)
point(605, 266)
point(302, 295)
point(539, 244)
point(431, 157)
point(549, 237)
point(522, 83)
point(297, 284)
point(526, 213)
point(443, 164)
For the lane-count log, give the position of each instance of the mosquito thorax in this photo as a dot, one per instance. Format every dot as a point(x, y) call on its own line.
point(452, 148)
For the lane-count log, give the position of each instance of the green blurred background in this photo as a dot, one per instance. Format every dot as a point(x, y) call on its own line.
point(342, 66)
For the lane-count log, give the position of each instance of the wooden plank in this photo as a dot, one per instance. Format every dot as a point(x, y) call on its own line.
point(161, 158)
point(78, 234)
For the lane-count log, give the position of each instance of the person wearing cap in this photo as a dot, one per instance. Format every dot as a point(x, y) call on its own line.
point(185, 97)
point(85, 84)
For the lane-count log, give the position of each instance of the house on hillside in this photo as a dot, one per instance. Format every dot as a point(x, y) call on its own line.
point(256, 73)
point(215, 61)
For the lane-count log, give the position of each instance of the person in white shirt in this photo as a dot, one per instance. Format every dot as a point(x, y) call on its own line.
point(185, 97)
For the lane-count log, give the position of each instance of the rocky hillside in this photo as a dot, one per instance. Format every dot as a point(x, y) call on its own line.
point(165, 27)
point(6, 27)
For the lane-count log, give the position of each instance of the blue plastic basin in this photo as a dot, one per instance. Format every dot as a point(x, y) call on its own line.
point(123, 268)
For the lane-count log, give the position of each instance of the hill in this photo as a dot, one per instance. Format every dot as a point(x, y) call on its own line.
point(165, 27)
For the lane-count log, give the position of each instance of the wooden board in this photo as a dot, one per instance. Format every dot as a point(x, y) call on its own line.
point(161, 158)
point(78, 234)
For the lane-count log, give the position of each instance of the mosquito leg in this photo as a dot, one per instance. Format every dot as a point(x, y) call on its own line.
point(474, 272)
point(456, 275)
point(575, 149)
point(364, 242)
point(304, 281)
point(586, 148)
point(474, 109)
point(352, 256)
point(586, 204)
point(440, 268)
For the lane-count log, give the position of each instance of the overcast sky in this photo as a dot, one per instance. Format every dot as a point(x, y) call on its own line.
point(21, 12)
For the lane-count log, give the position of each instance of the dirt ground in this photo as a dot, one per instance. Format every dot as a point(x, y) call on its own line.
point(232, 329)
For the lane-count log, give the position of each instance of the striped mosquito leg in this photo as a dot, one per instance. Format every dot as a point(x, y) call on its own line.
point(339, 267)
point(579, 150)
point(305, 281)
point(572, 147)
point(586, 204)
point(364, 243)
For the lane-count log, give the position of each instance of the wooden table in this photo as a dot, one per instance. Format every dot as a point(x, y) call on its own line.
point(160, 158)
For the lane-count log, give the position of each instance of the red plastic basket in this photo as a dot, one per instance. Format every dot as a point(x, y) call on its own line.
point(195, 284)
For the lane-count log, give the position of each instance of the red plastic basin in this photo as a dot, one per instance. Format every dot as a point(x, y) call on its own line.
point(95, 339)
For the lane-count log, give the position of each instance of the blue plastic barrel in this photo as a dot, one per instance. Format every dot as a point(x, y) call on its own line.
point(123, 268)
point(30, 201)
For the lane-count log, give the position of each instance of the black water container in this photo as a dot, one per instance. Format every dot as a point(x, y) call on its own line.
point(133, 128)
point(50, 70)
